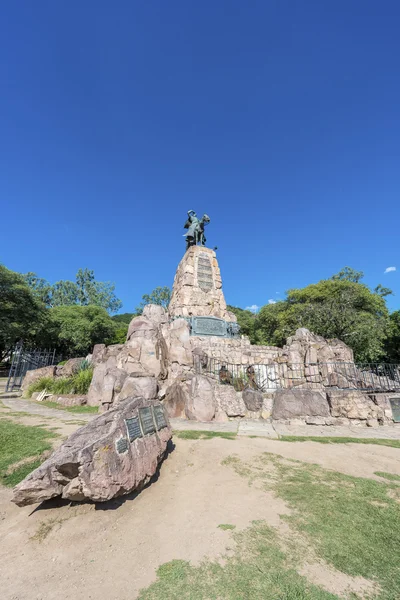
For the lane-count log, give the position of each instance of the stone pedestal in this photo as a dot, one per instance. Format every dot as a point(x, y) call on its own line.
point(197, 289)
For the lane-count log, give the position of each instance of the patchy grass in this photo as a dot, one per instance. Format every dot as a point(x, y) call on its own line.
point(19, 473)
point(351, 523)
point(47, 527)
point(340, 440)
point(257, 569)
point(73, 409)
point(390, 476)
point(19, 442)
point(226, 526)
point(204, 435)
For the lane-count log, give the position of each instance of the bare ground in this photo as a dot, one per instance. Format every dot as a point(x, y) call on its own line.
point(111, 551)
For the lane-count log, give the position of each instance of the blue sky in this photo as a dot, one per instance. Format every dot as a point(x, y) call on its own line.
point(280, 119)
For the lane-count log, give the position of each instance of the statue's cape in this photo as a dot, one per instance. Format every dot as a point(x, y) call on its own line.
point(187, 224)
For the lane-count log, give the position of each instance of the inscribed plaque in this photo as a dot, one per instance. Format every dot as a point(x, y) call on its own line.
point(133, 428)
point(146, 419)
point(122, 445)
point(204, 273)
point(209, 326)
point(159, 417)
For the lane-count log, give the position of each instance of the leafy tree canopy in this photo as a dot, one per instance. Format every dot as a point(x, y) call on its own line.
point(160, 295)
point(392, 343)
point(21, 312)
point(84, 291)
point(124, 317)
point(74, 330)
point(247, 321)
point(340, 307)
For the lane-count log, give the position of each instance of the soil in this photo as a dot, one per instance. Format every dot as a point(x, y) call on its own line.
point(111, 551)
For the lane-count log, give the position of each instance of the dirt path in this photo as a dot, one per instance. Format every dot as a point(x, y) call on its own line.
point(111, 552)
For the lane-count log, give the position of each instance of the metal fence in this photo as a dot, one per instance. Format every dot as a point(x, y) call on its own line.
point(23, 360)
point(369, 377)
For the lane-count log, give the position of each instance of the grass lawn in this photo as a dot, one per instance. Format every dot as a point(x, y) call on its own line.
point(340, 440)
point(21, 444)
point(350, 524)
point(73, 409)
point(204, 435)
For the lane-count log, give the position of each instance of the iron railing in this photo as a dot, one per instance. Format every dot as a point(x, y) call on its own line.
point(23, 360)
point(371, 377)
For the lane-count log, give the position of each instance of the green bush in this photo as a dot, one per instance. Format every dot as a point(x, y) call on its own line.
point(82, 381)
point(76, 384)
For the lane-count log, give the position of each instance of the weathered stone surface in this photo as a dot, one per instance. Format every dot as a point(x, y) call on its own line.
point(197, 288)
point(155, 313)
point(201, 403)
point(229, 401)
point(177, 398)
point(68, 399)
point(253, 399)
point(95, 393)
point(35, 374)
point(70, 368)
point(353, 404)
point(99, 351)
point(133, 387)
point(88, 465)
point(291, 404)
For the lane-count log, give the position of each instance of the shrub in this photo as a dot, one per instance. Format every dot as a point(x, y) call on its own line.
point(76, 384)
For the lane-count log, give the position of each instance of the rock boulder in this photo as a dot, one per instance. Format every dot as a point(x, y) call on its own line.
point(114, 454)
point(300, 403)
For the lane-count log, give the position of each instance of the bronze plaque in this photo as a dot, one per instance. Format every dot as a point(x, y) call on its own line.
point(146, 419)
point(122, 445)
point(159, 416)
point(133, 428)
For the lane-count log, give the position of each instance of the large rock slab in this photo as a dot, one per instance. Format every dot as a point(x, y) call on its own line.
point(35, 374)
point(71, 367)
point(145, 387)
point(103, 459)
point(353, 404)
point(229, 401)
point(300, 403)
point(177, 398)
point(253, 399)
point(201, 402)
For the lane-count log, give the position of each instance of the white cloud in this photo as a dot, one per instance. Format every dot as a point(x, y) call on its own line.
point(389, 269)
point(271, 301)
point(254, 308)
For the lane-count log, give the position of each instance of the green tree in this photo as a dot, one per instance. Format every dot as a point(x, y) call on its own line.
point(160, 295)
point(21, 312)
point(392, 343)
point(348, 274)
point(247, 321)
point(74, 330)
point(124, 317)
point(40, 287)
point(84, 291)
point(340, 307)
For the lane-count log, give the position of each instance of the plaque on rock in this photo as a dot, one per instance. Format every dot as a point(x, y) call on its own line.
point(204, 273)
point(146, 419)
point(159, 417)
point(133, 428)
point(122, 445)
point(209, 326)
